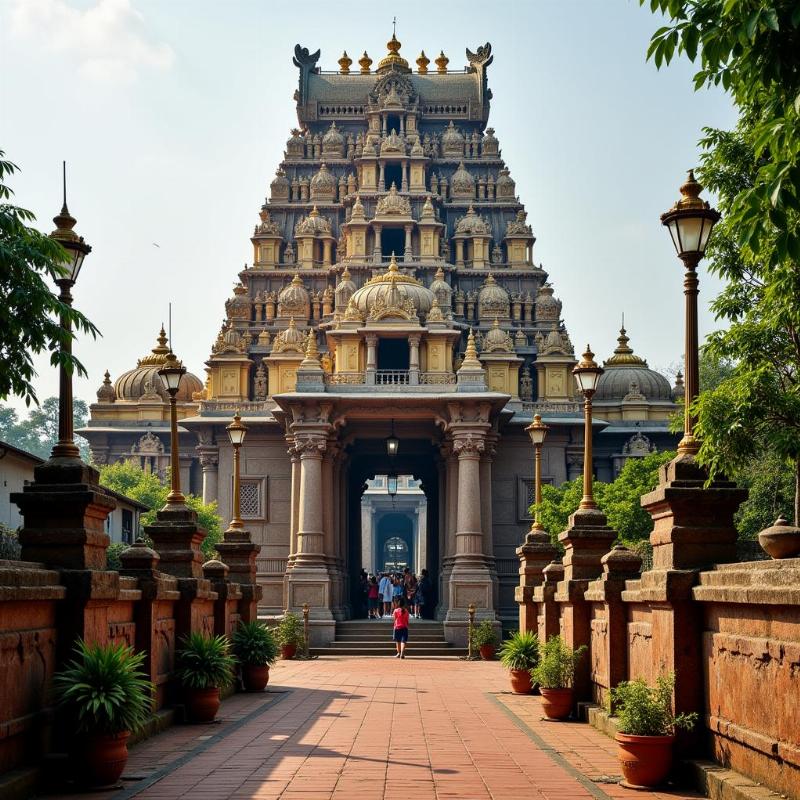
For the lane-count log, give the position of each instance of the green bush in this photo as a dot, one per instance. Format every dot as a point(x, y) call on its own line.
point(113, 555)
point(289, 630)
point(204, 662)
point(254, 643)
point(9, 544)
point(644, 710)
point(520, 651)
point(105, 688)
point(557, 662)
point(484, 634)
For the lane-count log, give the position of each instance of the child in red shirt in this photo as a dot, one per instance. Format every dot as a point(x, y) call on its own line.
point(400, 615)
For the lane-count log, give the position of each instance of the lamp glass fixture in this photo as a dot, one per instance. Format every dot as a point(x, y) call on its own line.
point(392, 443)
point(391, 484)
point(537, 430)
point(172, 372)
point(587, 373)
point(236, 430)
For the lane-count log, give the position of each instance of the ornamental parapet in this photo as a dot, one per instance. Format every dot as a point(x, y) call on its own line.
point(552, 408)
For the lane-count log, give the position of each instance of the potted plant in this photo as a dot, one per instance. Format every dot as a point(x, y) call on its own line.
point(485, 639)
point(519, 654)
point(289, 633)
point(555, 674)
point(204, 666)
point(646, 725)
point(256, 650)
point(109, 696)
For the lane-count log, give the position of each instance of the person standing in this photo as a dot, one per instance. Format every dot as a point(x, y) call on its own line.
point(423, 590)
point(410, 587)
point(372, 598)
point(385, 591)
point(398, 589)
point(400, 634)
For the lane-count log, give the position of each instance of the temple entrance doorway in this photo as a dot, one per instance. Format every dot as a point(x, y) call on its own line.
point(393, 242)
point(393, 520)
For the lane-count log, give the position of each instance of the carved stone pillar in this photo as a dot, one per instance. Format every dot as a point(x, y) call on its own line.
point(404, 179)
point(310, 533)
point(413, 359)
point(381, 179)
point(326, 257)
point(372, 359)
point(449, 495)
point(295, 501)
point(408, 253)
point(459, 252)
point(486, 512)
point(377, 253)
point(209, 461)
point(470, 580)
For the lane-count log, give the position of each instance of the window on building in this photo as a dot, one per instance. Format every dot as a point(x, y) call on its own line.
point(393, 240)
point(393, 174)
point(250, 499)
point(393, 123)
point(393, 354)
point(395, 554)
point(127, 526)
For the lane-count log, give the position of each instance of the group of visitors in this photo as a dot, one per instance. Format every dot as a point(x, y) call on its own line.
point(384, 591)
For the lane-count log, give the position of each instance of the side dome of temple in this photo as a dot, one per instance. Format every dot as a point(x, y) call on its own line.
point(143, 381)
point(393, 290)
point(627, 376)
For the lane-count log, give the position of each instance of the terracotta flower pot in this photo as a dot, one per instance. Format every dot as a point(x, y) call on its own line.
point(255, 677)
point(557, 703)
point(781, 540)
point(487, 652)
point(288, 651)
point(520, 681)
point(104, 758)
point(202, 704)
point(645, 760)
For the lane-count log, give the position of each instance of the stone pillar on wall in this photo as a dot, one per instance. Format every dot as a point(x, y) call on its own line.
point(413, 359)
point(535, 553)
point(547, 619)
point(209, 461)
point(609, 621)
point(692, 528)
point(470, 580)
point(308, 578)
point(448, 538)
point(586, 540)
point(372, 359)
point(487, 458)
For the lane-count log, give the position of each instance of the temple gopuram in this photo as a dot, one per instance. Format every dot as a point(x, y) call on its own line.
point(393, 291)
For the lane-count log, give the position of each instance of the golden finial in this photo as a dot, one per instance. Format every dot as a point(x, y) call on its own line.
point(393, 264)
point(365, 62)
point(471, 354)
point(422, 63)
point(690, 194)
point(441, 62)
point(344, 63)
point(312, 353)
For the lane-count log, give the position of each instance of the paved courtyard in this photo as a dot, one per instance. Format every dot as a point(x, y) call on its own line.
point(371, 728)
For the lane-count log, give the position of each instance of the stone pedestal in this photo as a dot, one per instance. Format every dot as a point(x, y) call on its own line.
point(692, 528)
point(534, 555)
point(547, 620)
point(586, 540)
point(609, 622)
point(65, 510)
point(239, 553)
point(226, 606)
point(177, 537)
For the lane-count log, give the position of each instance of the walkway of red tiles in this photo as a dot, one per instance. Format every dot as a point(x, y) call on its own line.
point(381, 728)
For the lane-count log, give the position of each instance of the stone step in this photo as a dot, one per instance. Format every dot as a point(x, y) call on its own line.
point(389, 651)
point(387, 642)
point(368, 636)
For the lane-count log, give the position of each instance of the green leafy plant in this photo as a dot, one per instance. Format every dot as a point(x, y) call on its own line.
point(9, 543)
point(520, 651)
point(204, 662)
point(644, 710)
point(254, 643)
point(557, 662)
point(484, 634)
point(105, 688)
point(289, 630)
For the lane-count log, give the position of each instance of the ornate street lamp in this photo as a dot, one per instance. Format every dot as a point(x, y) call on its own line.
point(587, 374)
point(236, 433)
point(690, 222)
point(392, 443)
point(537, 431)
point(76, 251)
point(171, 373)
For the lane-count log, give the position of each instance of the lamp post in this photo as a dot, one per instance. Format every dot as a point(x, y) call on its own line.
point(171, 373)
point(537, 431)
point(76, 251)
point(587, 374)
point(236, 433)
point(690, 222)
point(392, 443)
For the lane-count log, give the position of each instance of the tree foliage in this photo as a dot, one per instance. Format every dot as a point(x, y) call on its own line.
point(148, 489)
point(29, 311)
point(619, 500)
point(39, 432)
point(752, 49)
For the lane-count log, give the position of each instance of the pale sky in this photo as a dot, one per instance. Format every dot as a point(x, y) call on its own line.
point(173, 116)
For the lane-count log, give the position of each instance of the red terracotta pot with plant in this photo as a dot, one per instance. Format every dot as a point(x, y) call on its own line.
point(108, 696)
point(289, 634)
point(204, 666)
point(255, 649)
point(555, 675)
point(519, 654)
point(484, 639)
point(646, 725)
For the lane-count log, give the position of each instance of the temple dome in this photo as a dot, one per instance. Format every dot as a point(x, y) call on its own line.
point(144, 379)
point(473, 224)
point(393, 60)
point(293, 299)
point(493, 299)
point(548, 308)
point(505, 185)
point(333, 142)
point(323, 184)
point(312, 225)
point(279, 188)
point(441, 289)
point(462, 184)
point(628, 374)
point(290, 340)
point(390, 287)
point(452, 141)
point(344, 290)
point(497, 340)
